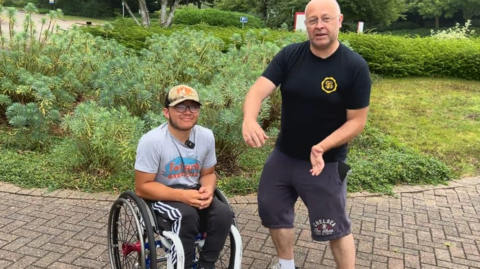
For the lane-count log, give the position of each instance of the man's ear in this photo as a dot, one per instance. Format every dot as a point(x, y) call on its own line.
point(166, 113)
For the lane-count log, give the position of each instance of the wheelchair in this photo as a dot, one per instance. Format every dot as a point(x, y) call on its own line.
point(135, 240)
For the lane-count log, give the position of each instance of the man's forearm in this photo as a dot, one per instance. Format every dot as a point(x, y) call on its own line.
point(252, 106)
point(158, 192)
point(342, 135)
point(209, 181)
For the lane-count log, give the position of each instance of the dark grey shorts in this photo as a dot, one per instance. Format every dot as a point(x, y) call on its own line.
point(284, 179)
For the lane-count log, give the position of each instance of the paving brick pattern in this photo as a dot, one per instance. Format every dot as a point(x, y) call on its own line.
point(422, 227)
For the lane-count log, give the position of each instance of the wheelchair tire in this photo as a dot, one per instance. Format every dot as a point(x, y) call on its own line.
point(134, 204)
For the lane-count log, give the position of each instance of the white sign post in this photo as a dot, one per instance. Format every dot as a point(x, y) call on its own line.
point(243, 20)
point(299, 22)
point(360, 27)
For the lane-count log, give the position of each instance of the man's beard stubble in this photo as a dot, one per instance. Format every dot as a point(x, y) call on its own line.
point(175, 126)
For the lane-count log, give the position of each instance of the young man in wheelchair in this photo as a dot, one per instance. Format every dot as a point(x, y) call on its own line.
point(174, 168)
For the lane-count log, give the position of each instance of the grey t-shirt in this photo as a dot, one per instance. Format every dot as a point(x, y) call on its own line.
point(173, 162)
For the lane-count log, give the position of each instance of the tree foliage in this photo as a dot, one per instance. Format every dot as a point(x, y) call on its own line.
point(373, 11)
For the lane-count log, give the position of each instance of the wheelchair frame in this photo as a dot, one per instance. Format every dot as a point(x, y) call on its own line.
point(146, 225)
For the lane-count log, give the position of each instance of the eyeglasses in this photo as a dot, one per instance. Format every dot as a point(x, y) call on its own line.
point(182, 108)
point(325, 20)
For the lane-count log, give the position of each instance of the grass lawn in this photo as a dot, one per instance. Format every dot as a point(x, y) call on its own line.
point(437, 116)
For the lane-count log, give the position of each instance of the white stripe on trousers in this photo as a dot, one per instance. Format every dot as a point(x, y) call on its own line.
point(174, 215)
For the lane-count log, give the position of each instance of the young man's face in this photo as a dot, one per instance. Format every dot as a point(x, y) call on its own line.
point(184, 115)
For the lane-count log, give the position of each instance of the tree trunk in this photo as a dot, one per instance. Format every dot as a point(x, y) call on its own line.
point(199, 4)
point(171, 15)
point(130, 12)
point(163, 12)
point(264, 9)
point(437, 22)
point(144, 12)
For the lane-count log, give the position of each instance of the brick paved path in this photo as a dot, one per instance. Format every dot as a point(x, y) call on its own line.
point(431, 227)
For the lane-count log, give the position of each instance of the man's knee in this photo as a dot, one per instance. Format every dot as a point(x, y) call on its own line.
point(190, 220)
point(275, 216)
point(224, 215)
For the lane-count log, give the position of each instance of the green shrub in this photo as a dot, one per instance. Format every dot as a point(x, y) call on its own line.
point(44, 77)
point(126, 32)
point(32, 126)
point(394, 56)
point(103, 140)
point(215, 17)
point(380, 162)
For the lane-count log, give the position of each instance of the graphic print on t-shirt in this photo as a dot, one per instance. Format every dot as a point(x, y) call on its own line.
point(174, 168)
point(329, 85)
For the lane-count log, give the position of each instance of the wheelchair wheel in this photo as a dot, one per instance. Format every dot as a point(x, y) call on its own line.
point(231, 255)
point(131, 242)
point(226, 260)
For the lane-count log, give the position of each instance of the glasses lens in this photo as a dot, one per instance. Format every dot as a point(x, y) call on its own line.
point(194, 108)
point(180, 108)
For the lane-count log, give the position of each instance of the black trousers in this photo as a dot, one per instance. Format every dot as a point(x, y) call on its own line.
point(188, 222)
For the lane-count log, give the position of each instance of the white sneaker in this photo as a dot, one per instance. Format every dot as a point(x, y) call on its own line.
point(278, 266)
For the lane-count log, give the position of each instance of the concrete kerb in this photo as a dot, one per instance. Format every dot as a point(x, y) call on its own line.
point(248, 199)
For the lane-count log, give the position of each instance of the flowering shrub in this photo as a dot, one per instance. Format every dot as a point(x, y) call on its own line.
point(455, 32)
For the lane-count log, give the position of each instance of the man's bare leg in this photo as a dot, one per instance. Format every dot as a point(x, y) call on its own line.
point(283, 241)
point(343, 250)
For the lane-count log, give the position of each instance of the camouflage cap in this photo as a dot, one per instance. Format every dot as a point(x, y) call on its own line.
point(181, 93)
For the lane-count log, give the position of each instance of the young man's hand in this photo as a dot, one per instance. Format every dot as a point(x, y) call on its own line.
point(192, 198)
point(207, 197)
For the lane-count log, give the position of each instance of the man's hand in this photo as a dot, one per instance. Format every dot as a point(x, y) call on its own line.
point(316, 157)
point(192, 198)
point(253, 134)
point(207, 197)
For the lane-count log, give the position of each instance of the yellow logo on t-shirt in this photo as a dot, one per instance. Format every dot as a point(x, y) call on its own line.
point(329, 85)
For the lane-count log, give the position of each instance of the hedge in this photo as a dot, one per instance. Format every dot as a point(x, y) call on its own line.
point(215, 17)
point(389, 56)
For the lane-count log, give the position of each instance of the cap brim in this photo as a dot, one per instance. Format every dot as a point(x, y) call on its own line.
point(183, 100)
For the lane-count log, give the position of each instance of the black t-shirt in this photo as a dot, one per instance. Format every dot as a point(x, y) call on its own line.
point(316, 94)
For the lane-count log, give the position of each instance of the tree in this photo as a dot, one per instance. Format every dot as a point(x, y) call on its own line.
point(470, 8)
point(373, 11)
point(283, 11)
point(435, 9)
point(144, 13)
point(245, 6)
point(172, 4)
point(130, 11)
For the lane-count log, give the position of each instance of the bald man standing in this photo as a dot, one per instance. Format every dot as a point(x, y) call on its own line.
point(325, 89)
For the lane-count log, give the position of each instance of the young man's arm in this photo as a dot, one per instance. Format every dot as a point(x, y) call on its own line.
point(208, 179)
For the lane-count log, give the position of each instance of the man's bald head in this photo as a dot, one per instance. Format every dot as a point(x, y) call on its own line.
point(330, 4)
point(323, 20)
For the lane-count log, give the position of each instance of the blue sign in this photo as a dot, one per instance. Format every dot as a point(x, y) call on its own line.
point(243, 19)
